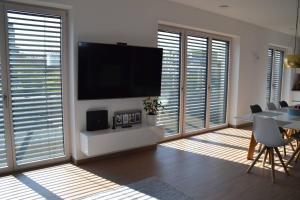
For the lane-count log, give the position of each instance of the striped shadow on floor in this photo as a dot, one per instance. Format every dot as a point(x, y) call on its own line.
point(150, 188)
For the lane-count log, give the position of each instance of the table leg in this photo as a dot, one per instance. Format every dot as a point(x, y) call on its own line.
point(251, 149)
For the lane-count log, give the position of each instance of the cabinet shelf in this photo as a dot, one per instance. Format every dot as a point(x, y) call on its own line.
point(97, 143)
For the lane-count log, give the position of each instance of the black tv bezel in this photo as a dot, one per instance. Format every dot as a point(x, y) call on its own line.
point(80, 98)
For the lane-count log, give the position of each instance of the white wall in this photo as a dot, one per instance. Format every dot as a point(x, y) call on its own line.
point(136, 21)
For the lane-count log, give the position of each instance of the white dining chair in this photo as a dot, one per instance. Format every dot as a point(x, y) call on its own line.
point(266, 132)
point(271, 106)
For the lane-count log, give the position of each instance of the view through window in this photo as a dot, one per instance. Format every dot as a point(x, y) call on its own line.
point(194, 80)
point(34, 92)
point(274, 75)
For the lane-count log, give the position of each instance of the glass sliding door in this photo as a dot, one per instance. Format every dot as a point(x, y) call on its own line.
point(35, 76)
point(269, 75)
point(6, 163)
point(31, 86)
point(194, 80)
point(277, 76)
point(218, 82)
point(274, 75)
point(170, 42)
point(196, 83)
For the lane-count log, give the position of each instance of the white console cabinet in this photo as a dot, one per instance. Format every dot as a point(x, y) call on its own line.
point(96, 143)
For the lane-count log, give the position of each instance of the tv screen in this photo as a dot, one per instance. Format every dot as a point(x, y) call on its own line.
point(118, 71)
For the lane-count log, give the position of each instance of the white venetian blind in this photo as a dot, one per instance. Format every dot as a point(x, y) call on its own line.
point(276, 76)
point(170, 85)
point(3, 161)
point(218, 81)
point(196, 81)
point(36, 85)
point(269, 74)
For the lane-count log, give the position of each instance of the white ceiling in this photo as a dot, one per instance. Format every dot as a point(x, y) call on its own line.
point(278, 15)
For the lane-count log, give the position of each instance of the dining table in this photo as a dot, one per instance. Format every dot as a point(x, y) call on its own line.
point(283, 119)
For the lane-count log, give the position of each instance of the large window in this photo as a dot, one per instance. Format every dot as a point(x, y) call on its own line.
point(33, 75)
point(194, 80)
point(196, 83)
point(218, 81)
point(170, 86)
point(274, 75)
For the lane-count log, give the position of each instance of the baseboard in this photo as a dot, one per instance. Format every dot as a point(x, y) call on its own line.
point(193, 134)
point(112, 155)
point(240, 125)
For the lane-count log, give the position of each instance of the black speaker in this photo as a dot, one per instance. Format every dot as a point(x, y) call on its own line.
point(96, 120)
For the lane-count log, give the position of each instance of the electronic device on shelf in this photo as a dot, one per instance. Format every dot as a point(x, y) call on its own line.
point(96, 120)
point(126, 118)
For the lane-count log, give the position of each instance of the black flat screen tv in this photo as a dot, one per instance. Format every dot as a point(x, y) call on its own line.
point(118, 71)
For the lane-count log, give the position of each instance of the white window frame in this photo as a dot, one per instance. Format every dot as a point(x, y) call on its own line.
point(65, 80)
point(284, 50)
point(184, 32)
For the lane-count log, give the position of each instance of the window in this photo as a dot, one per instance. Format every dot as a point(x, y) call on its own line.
point(196, 83)
point(34, 87)
point(34, 42)
point(218, 81)
point(194, 80)
point(274, 75)
point(171, 45)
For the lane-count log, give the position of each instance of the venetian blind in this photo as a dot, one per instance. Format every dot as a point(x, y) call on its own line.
point(218, 81)
point(170, 83)
point(196, 81)
point(269, 74)
point(34, 43)
point(276, 76)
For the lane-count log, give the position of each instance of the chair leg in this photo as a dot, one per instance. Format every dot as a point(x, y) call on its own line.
point(280, 158)
point(272, 164)
point(287, 135)
point(284, 135)
point(292, 146)
point(266, 156)
point(256, 159)
point(259, 147)
point(293, 156)
point(297, 157)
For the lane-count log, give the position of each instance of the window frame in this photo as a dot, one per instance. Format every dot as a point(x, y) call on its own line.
point(198, 33)
point(6, 113)
point(227, 76)
point(181, 71)
point(64, 79)
point(284, 50)
point(207, 92)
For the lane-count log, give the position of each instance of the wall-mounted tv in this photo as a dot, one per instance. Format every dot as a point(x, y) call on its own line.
point(118, 71)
